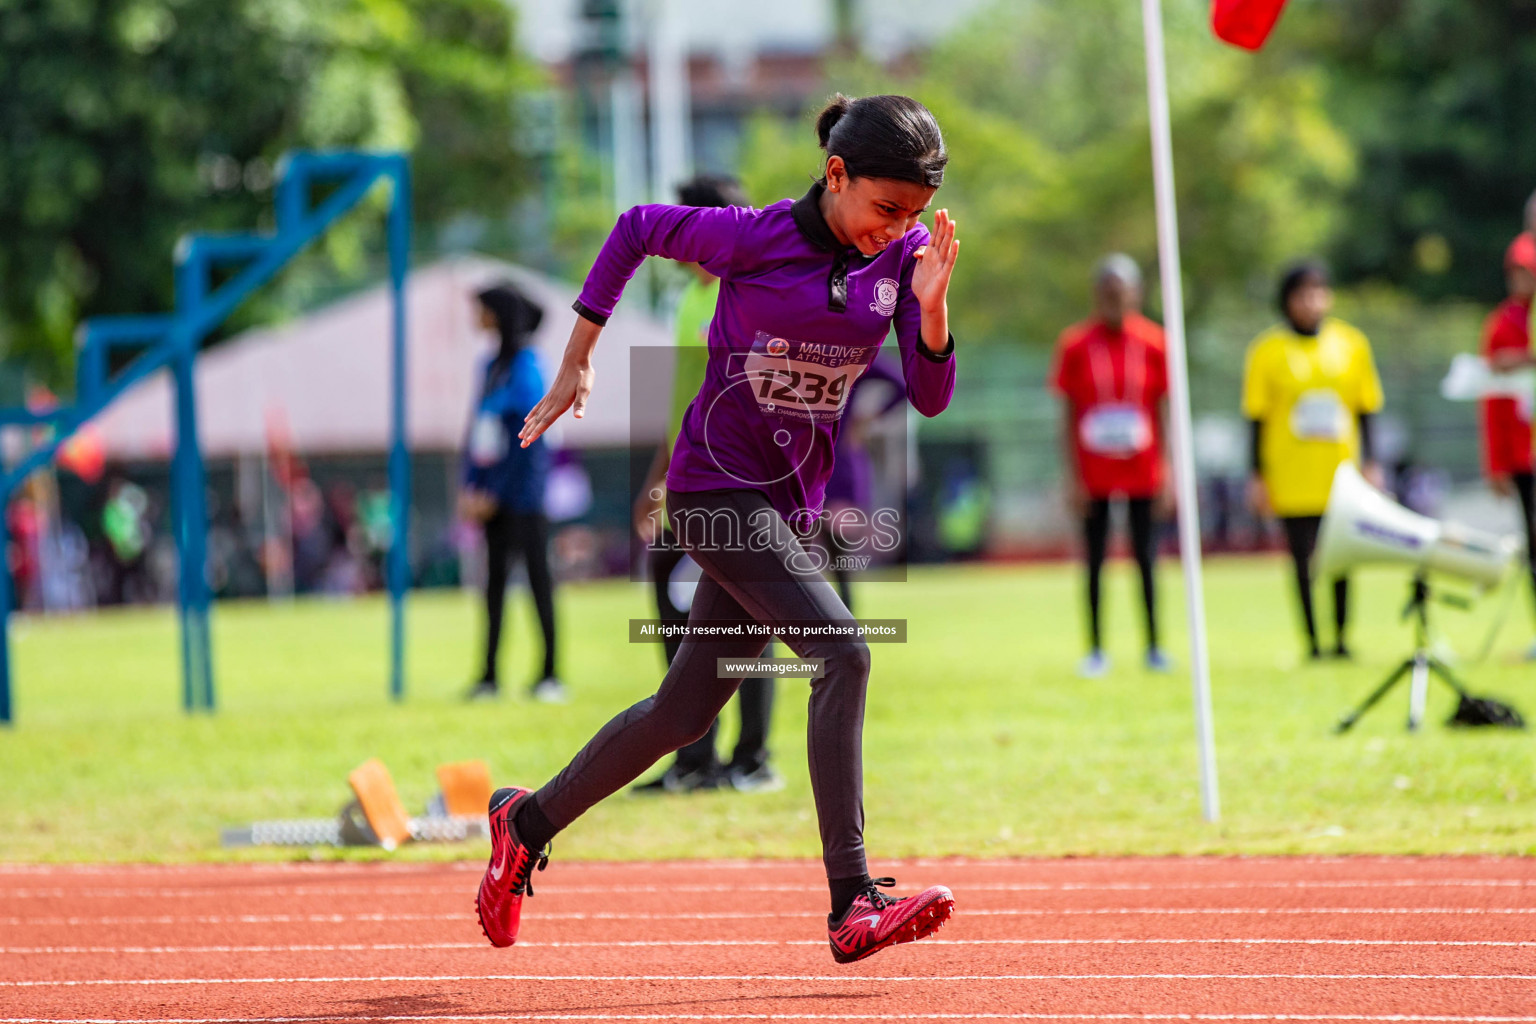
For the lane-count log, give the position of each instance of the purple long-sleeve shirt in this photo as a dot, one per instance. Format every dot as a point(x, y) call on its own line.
point(799, 318)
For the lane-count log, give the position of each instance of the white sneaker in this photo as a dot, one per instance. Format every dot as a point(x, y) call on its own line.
point(1094, 665)
point(1157, 661)
point(550, 690)
point(762, 779)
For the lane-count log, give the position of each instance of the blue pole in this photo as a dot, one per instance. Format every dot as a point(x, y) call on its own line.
point(181, 528)
point(5, 616)
point(191, 508)
point(195, 566)
point(399, 455)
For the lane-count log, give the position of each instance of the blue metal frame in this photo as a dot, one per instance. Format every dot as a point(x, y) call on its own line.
point(172, 341)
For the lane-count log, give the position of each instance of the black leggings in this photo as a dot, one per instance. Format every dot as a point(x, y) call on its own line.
point(1525, 488)
point(754, 699)
point(1143, 546)
point(527, 534)
point(1301, 538)
point(767, 579)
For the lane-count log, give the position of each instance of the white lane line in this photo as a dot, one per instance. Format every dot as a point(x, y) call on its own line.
point(72, 892)
point(352, 947)
point(785, 1017)
point(1427, 1018)
point(31, 922)
point(235, 919)
point(627, 978)
point(1073, 864)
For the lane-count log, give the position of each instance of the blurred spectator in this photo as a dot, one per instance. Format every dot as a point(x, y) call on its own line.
point(1310, 390)
point(311, 535)
point(504, 483)
point(851, 488)
point(125, 523)
point(1507, 419)
point(1112, 373)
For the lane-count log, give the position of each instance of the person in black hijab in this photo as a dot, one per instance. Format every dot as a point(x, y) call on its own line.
point(503, 482)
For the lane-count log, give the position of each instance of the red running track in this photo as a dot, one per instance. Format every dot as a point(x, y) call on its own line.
point(1348, 939)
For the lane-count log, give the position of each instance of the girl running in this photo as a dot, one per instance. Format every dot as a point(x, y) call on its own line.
point(808, 291)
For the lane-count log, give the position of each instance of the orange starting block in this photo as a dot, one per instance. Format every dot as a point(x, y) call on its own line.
point(466, 788)
point(377, 816)
point(380, 804)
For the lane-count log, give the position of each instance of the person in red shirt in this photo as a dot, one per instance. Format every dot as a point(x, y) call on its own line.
point(1507, 419)
point(1112, 372)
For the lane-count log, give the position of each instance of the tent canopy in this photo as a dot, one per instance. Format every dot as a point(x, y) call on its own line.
point(324, 377)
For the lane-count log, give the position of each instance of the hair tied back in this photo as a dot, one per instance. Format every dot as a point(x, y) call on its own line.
point(832, 113)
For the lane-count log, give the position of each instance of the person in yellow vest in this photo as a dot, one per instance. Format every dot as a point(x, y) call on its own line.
point(1310, 389)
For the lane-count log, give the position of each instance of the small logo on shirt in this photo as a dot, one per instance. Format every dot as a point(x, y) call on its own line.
point(777, 346)
point(885, 296)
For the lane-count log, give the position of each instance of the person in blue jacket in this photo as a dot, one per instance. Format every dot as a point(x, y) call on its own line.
point(504, 482)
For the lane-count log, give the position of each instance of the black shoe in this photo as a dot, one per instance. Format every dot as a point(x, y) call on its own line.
point(485, 689)
point(1342, 653)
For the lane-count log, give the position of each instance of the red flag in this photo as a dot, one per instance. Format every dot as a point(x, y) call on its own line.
point(1245, 23)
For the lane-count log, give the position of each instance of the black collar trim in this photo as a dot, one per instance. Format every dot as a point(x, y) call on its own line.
point(807, 214)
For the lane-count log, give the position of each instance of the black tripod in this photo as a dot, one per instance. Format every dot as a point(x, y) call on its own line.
point(1420, 663)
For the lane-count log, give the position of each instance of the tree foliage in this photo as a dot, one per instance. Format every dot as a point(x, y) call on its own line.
point(1043, 107)
point(126, 123)
point(1439, 96)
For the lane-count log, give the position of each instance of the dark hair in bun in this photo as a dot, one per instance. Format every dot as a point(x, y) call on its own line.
point(884, 137)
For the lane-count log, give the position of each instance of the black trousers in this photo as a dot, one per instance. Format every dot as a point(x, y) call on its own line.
point(525, 534)
point(1301, 538)
point(1525, 489)
point(754, 699)
point(1143, 547)
point(769, 581)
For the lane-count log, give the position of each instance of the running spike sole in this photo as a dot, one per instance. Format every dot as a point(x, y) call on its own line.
point(929, 919)
point(480, 919)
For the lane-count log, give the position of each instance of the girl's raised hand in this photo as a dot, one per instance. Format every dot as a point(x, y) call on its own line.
point(935, 262)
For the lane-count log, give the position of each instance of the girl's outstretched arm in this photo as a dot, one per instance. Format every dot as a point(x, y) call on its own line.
point(691, 234)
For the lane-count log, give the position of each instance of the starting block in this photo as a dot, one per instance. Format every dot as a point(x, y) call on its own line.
point(376, 816)
point(465, 790)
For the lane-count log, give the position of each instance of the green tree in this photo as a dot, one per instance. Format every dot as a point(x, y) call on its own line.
point(1438, 96)
point(126, 123)
point(1044, 112)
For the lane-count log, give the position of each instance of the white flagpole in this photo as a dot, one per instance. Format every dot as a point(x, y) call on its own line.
point(1178, 399)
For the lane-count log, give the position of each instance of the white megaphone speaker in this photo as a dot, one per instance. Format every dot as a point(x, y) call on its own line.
point(1364, 526)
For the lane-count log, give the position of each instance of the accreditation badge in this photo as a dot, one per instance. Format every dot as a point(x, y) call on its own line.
point(1319, 415)
point(1115, 430)
point(487, 440)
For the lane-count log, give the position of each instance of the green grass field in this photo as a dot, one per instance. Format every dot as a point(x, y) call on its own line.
point(980, 740)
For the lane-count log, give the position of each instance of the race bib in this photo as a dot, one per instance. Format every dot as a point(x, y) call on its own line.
point(803, 380)
point(1115, 430)
point(1318, 415)
point(487, 440)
